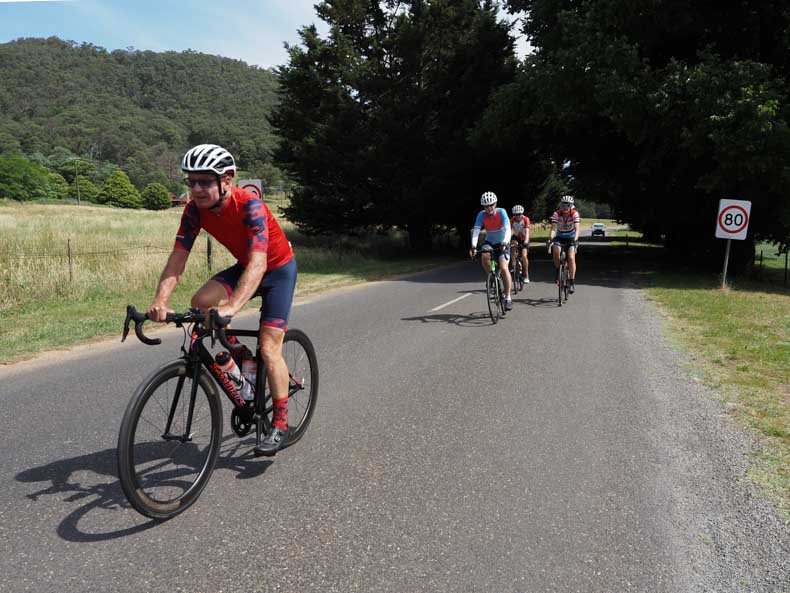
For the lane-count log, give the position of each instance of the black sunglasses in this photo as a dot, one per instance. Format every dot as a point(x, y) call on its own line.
point(206, 183)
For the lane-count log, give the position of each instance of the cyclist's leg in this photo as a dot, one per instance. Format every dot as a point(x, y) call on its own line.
point(571, 262)
point(217, 291)
point(485, 261)
point(525, 261)
point(506, 280)
point(276, 293)
point(555, 253)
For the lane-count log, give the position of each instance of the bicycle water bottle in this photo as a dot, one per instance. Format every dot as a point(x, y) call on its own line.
point(249, 367)
point(228, 366)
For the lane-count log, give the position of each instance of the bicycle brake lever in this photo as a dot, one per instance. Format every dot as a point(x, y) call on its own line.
point(129, 310)
point(218, 328)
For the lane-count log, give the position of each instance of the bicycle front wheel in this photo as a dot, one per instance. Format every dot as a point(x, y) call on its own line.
point(516, 278)
point(492, 296)
point(560, 281)
point(300, 358)
point(168, 444)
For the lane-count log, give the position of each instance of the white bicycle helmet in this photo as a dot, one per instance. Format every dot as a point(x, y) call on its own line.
point(566, 200)
point(518, 210)
point(208, 158)
point(488, 199)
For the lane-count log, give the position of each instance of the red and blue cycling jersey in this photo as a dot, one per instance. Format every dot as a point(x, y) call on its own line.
point(565, 222)
point(496, 225)
point(244, 224)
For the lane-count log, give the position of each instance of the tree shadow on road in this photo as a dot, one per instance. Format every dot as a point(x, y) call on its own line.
point(84, 480)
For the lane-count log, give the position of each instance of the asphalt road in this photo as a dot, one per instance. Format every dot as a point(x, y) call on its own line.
point(563, 449)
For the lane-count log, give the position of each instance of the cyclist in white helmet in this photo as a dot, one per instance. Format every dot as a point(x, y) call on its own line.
point(497, 226)
point(265, 266)
point(565, 225)
point(519, 227)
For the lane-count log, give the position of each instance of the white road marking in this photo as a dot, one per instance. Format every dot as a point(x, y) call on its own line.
point(463, 296)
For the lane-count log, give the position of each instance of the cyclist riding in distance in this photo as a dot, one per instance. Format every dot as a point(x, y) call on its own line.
point(497, 226)
point(565, 225)
point(519, 227)
point(265, 265)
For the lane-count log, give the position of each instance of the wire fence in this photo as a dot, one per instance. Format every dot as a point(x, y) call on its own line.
point(69, 255)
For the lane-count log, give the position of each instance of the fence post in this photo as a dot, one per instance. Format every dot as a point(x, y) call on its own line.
point(786, 250)
point(208, 251)
point(761, 260)
point(68, 251)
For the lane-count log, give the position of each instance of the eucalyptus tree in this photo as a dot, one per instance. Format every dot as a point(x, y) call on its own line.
point(376, 118)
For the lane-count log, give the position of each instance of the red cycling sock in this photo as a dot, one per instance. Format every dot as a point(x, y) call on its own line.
point(280, 414)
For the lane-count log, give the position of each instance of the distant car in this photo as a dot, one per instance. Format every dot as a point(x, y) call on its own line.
point(598, 229)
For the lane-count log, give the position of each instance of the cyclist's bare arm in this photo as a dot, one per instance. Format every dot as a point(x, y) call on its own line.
point(553, 231)
point(174, 268)
point(577, 230)
point(248, 283)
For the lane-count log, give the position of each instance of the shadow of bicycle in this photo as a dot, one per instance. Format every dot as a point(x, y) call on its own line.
point(544, 302)
point(471, 320)
point(93, 480)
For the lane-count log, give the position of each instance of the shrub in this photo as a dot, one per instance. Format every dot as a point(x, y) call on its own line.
point(119, 191)
point(156, 197)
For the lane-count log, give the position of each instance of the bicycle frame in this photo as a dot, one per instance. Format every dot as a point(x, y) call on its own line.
point(198, 357)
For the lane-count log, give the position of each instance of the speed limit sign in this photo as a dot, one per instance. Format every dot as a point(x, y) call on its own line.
point(732, 222)
point(251, 185)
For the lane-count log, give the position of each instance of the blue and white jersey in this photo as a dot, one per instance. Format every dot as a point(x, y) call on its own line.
point(496, 224)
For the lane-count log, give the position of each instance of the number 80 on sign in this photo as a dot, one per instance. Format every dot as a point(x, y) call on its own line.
point(732, 221)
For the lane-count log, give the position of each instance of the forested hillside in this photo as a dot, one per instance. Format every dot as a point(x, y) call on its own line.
point(138, 110)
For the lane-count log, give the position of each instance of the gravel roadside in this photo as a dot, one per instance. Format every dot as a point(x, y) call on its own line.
point(727, 537)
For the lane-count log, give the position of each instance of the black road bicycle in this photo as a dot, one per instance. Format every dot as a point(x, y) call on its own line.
point(562, 276)
point(172, 429)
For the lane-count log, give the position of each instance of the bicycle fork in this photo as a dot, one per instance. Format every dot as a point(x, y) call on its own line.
point(187, 436)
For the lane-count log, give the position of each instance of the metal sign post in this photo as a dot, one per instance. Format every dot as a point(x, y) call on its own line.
point(732, 222)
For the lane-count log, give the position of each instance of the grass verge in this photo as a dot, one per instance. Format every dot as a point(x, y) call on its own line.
point(738, 342)
point(67, 272)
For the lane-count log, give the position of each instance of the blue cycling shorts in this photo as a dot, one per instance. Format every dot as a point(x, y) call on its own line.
point(276, 291)
point(566, 240)
point(498, 249)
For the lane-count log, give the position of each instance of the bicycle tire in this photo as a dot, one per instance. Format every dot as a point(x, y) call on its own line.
point(560, 280)
point(518, 284)
point(492, 297)
point(302, 363)
point(153, 487)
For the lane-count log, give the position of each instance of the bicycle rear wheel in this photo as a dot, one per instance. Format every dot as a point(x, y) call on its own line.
point(299, 355)
point(163, 471)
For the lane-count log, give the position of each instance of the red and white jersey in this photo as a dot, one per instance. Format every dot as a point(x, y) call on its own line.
point(565, 221)
point(519, 228)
